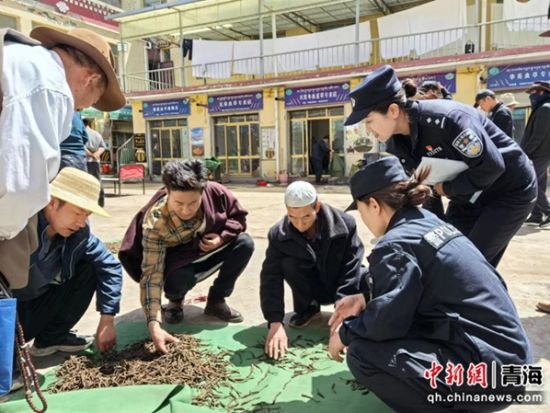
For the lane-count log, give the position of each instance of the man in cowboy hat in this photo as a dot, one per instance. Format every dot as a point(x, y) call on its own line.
point(68, 267)
point(41, 86)
point(536, 144)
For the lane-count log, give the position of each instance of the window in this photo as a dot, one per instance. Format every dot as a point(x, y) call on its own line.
point(169, 141)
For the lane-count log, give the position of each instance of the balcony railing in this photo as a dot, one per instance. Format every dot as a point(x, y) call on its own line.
point(502, 34)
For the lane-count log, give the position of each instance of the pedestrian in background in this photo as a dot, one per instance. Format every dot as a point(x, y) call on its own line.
point(501, 116)
point(536, 144)
point(95, 147)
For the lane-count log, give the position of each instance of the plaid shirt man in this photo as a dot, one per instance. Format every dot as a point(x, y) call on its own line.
point(162, 229)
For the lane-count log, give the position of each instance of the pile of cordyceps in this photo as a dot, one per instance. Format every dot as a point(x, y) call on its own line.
point(187, 363)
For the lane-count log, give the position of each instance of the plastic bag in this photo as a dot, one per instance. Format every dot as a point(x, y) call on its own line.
point(8, 308)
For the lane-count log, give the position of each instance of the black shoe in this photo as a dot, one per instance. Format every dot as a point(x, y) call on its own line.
point(223, 312)
point(71, 344)
point(300, 320)
point(173, 313)
point(545, 222)
point(533, 220)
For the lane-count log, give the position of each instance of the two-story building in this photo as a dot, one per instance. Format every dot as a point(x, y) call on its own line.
point(255, 82)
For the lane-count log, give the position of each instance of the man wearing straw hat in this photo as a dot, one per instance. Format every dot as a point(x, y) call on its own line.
point(68, 267)
point(43, 82)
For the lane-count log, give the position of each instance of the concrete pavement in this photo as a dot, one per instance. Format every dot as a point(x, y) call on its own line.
point(525, 266)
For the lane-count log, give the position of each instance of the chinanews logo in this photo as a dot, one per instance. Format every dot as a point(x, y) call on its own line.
point(433, 151)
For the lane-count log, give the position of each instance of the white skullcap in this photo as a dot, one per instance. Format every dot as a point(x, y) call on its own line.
point(300, 194)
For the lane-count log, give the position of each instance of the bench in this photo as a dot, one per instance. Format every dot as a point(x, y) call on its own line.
point(126, 173)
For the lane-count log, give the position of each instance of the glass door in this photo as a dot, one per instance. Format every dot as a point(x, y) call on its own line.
point(338, 165)
point(307, 126)
point(167, 142)
point(299, 159)
point(237, 144)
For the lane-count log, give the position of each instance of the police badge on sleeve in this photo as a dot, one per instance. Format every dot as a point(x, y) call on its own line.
point(468, 143)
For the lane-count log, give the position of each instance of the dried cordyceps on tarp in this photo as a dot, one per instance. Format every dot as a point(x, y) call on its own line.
point(187, 363)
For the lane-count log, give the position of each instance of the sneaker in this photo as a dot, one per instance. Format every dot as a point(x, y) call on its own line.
point(72, 344)
point(545, 222)
point(173, 312)
point(533, 220)
point(300, 320)
point(16, 382)
point(223, 312)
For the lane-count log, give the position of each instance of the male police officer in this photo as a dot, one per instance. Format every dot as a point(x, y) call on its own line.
point(315, 249)
point(498, 113)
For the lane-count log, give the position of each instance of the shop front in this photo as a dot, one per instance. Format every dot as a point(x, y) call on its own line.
point(516, 79)
point(122, 131)
point(314, 113)
point(236, 126)
point(167, 132)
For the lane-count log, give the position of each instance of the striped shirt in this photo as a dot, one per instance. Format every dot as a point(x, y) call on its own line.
point(162, 229)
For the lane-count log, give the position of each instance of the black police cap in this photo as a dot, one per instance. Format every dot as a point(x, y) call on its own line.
point(375, 176)
point(378, 87)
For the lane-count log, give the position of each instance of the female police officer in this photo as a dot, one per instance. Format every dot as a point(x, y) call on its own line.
point(491, 199)
point(435, 316)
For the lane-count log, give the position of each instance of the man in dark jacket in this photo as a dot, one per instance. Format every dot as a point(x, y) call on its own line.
point(315, 249)
point(69, 266)
point(320, 157)
point(189, 230)
point(536, 144)
point(498, 113)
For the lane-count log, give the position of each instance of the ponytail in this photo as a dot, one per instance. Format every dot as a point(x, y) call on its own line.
point(405, 193)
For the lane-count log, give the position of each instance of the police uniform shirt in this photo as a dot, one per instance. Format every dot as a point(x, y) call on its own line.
point(429, 282)
point(451, 130)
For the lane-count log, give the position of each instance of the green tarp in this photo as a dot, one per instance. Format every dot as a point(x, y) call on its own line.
point(307, 380)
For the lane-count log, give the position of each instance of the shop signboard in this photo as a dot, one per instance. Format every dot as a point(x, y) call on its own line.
point(517, 76)
point(317, 95)
point(166, 108)
point(236, 103)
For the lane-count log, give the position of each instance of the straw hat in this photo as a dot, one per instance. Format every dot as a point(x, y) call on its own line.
point(97, 49)
point(78, 188)
point(508, 99)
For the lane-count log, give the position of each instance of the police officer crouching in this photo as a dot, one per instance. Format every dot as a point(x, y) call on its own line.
point(430, 301)
point(491, 199)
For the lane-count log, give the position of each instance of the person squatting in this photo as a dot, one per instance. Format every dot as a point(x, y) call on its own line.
point(417, 305)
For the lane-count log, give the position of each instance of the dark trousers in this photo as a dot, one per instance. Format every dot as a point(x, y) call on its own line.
point(542, 207)
point(394, 371)
point(94, 170)
point(231, 261)
point(49, 317)
point(305, 284)
point(491, 227)
point(317, 166)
